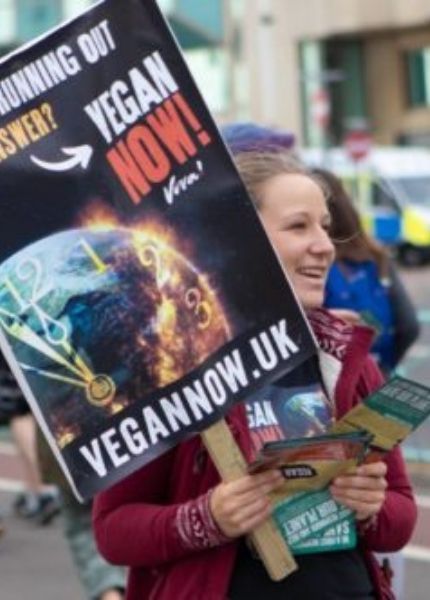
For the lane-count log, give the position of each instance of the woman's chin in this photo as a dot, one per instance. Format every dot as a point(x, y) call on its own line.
point(311, 299)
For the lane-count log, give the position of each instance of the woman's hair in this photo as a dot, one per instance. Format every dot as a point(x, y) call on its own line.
point(257, 167)
point(347, 233)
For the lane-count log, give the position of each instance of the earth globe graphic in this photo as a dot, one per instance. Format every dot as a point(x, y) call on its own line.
point(98, 318)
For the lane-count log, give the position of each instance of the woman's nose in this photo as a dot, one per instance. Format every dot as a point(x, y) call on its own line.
point(322, 243)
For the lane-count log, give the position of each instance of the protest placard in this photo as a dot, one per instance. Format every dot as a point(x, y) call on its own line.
point(139, 295)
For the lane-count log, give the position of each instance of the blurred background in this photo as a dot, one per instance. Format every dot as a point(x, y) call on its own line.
point(351, 80)
point(319, 68)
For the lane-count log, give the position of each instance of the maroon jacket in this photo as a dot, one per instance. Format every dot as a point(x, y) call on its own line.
point(157, 520)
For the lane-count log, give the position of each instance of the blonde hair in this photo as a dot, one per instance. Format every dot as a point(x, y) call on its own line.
point(257, 167)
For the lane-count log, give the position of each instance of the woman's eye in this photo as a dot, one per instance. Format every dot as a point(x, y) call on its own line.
point(297, 225)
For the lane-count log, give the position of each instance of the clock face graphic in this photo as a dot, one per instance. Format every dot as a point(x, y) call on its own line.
point(99, 318)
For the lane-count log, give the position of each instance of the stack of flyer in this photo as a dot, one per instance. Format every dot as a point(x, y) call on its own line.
point(307, 515)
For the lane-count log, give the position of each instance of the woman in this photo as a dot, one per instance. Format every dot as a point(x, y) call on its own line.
point(181, 531)
point(363, 280)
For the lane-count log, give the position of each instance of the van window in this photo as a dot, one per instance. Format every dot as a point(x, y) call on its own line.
point(384, 196)
point(414, 190)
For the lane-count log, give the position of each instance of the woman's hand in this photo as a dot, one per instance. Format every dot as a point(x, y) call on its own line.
point(241, 505)
point(362, 491)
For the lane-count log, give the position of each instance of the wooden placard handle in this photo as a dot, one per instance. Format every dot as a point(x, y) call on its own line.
point(231, 464)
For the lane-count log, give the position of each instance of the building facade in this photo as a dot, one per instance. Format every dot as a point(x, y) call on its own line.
point(364, 61)
point(315, 67)
point(199, 26)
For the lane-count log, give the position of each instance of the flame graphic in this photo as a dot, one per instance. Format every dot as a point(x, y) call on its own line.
point(98, 217)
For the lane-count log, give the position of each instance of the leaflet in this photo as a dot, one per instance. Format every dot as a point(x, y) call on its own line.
point(308, 517)
point(311, 463)
point(315, 522)
point(389, 415)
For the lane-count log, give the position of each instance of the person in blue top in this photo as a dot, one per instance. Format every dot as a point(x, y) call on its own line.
point(364, 283)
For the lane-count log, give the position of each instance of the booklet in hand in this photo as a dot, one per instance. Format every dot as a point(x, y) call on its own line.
point(308, 517)
point(311, 463)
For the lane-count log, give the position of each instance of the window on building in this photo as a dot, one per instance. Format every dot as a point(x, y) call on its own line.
point(7, 22)
point(210, 70)
point(34, 17)
point(418, 76)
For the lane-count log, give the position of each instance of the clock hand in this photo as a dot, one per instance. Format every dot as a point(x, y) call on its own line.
point(18, 329)
point(55, 332)
point(100, 389)
point(50, 325)
point(86, 373)
point(51, 375)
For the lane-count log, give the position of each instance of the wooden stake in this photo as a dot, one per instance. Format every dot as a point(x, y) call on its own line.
point(231, 464)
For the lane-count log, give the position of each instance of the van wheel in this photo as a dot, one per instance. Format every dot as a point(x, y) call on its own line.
point(410, 256)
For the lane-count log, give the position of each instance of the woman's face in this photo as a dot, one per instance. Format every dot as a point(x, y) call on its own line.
point(294, 214)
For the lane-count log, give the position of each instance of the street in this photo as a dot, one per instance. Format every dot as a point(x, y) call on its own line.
point(35, 563)
point(417, 447)
point(417, 362)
